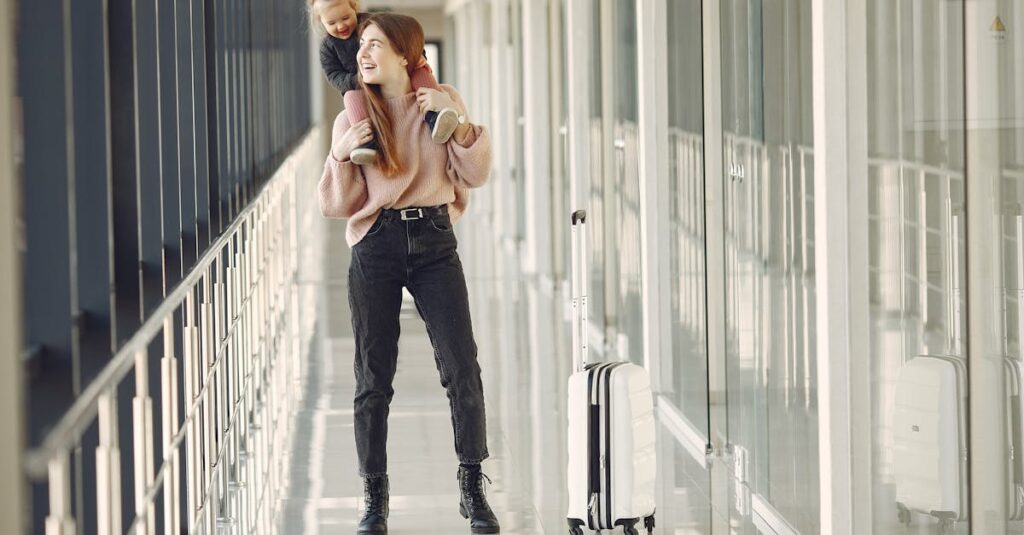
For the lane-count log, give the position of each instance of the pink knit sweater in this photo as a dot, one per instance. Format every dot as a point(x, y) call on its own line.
point(434, 174)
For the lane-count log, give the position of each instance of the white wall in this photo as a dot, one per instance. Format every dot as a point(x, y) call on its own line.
point(11, 406)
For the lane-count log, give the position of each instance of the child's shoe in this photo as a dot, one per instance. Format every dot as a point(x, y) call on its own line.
point(442, 124)
point(366, 154)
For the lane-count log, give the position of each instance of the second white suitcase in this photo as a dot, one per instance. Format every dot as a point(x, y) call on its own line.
point(929, 435)
point(1015, 437)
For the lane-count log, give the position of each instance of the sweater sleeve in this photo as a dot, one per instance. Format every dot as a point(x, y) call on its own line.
point(342, 79)
point(342, 187)
point(469, 163)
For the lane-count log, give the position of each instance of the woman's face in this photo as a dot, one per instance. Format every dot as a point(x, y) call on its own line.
point(339, 19)
point(378, 62)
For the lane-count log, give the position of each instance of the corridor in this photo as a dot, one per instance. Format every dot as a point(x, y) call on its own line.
point(805, 226)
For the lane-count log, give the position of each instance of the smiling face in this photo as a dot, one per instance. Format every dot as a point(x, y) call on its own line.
point(338, 18)
point(379, 63)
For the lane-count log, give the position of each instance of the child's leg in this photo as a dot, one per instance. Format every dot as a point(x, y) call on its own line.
point(355, 105)
point(442, 123)
point(422, 76)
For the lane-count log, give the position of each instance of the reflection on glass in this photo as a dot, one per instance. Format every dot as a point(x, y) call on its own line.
point(916, 264)
point(560, 183)
point(769, 252)
point(622, 196)
point(597, 211)
point(1006, 70)
point(688, 508)
point(686, 212)
point(519, 151)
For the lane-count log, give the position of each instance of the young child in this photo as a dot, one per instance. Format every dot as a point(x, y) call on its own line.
point(338, 21)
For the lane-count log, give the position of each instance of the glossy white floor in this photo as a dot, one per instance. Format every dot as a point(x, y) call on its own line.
point(524, 351)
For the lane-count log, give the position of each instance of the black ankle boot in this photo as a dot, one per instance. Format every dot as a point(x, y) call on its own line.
point(473, 504)
point(366, 153)
point(375, 518)
point(442, 124)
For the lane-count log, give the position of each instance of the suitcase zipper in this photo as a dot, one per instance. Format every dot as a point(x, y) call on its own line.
point(605, 463)
point(593, 448)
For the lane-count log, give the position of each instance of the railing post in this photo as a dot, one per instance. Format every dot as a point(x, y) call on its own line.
point(60, 521)
point(142, 427)
point(108, 469)
point(191, 469)
point(233, 382)
point(295, 317)
point(242, 358)
point(209, 429)
point(223, 408)
point(169, 412)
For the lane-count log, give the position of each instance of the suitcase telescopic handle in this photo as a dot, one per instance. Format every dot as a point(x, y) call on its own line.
point(579, 290)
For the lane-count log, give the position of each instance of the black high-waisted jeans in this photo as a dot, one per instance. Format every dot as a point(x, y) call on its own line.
point(420, 255)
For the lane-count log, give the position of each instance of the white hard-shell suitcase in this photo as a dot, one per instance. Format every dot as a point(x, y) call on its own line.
point(1015, 437)
point(930, 439)
point(612, 459)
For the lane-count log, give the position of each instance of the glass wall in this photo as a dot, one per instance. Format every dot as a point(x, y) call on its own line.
point(1005, 53)
point(560, 183)
point(687, 386)
point(518, 164)
point(146, 131)
point(600, 147)
point(918, 56)
point(622, 194)
point(916, 261)
point(686, 212)
point(769, 251)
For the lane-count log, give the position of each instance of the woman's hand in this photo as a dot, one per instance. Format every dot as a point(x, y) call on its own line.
point(433, 100)
point(356, 136)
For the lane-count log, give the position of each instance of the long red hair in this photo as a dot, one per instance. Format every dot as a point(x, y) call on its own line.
point(406, 37)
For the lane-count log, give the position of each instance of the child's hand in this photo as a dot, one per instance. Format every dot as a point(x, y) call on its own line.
point(356, 136)
point(433, 100)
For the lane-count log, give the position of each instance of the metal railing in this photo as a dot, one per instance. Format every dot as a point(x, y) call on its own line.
point(236, 314)
point(919, 222)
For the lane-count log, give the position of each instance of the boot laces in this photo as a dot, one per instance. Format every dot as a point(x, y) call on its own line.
point(374, 493)
point(473, 485)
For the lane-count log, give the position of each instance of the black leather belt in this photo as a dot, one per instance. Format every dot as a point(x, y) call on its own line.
point(416, 212)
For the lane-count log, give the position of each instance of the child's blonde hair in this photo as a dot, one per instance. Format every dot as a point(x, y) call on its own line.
point(312, 6)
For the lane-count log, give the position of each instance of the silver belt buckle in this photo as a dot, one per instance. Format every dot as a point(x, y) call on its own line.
point(418, 216)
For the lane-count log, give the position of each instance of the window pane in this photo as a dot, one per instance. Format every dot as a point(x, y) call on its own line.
point(686, 212)
point(769, 251)
point(915, 211)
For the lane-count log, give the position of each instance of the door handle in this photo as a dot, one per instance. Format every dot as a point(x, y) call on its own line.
point(736, 172)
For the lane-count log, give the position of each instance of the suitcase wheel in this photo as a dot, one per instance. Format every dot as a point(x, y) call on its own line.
point(649, 524)
point(575, 530)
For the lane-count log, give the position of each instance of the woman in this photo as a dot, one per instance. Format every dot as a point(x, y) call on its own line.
point(400, 213)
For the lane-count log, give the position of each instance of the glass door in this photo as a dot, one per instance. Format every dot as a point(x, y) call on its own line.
point(684, 398)
point(945, 88)
point(916, 268)
point(769, 257)
point(994, 91)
